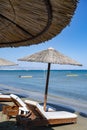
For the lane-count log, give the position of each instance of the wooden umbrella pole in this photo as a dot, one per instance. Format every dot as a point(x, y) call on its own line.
point(46, 88)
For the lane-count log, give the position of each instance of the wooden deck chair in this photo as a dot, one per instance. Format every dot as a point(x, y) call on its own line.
point(42, 118)
point(5, 98)
point(18, 109)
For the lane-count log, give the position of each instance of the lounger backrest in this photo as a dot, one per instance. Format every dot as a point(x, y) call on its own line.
point(17, 100)
point(41, 110)
point(34, 103)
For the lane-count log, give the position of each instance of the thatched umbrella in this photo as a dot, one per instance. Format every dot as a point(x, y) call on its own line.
point(28, 22)
point(4, 62)
point(50, 56)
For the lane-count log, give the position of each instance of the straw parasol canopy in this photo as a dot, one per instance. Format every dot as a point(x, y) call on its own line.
point(4, 62)
point(50, 56)
point(29, 22)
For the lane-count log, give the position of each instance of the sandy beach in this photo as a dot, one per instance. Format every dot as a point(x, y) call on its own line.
point(11, 123)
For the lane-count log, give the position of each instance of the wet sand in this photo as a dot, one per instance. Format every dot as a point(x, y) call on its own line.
point(75, 104)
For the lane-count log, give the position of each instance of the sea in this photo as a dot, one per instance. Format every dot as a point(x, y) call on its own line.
point(66, 86)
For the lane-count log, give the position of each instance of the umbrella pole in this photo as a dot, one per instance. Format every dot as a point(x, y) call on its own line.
point(46, 88)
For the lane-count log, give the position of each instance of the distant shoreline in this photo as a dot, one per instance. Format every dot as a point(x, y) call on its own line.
point(3, 69)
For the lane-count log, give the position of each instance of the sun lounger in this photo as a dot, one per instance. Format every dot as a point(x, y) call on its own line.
point(4, 97)
point(18, 109)
point(57, 117)
point(22, 106)
point(43, 118)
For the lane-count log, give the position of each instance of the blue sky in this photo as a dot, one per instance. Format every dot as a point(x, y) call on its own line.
point(72, 41)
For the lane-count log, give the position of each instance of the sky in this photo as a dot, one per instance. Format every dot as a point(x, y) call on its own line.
point(72, 42)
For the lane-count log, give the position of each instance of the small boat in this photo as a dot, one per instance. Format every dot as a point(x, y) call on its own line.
point(72, 75)
point(25, 76)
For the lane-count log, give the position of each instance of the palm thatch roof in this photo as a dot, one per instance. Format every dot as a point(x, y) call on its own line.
point(4, 62)
point(28, 22)
point(50, 56)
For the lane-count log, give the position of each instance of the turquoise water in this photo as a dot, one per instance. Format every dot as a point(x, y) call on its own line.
point(70, 84)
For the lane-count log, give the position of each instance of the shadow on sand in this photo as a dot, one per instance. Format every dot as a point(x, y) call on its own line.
point(1, 105)
point(83, 114)
point(11, 125)
point(7, 125)
point(61, 108)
